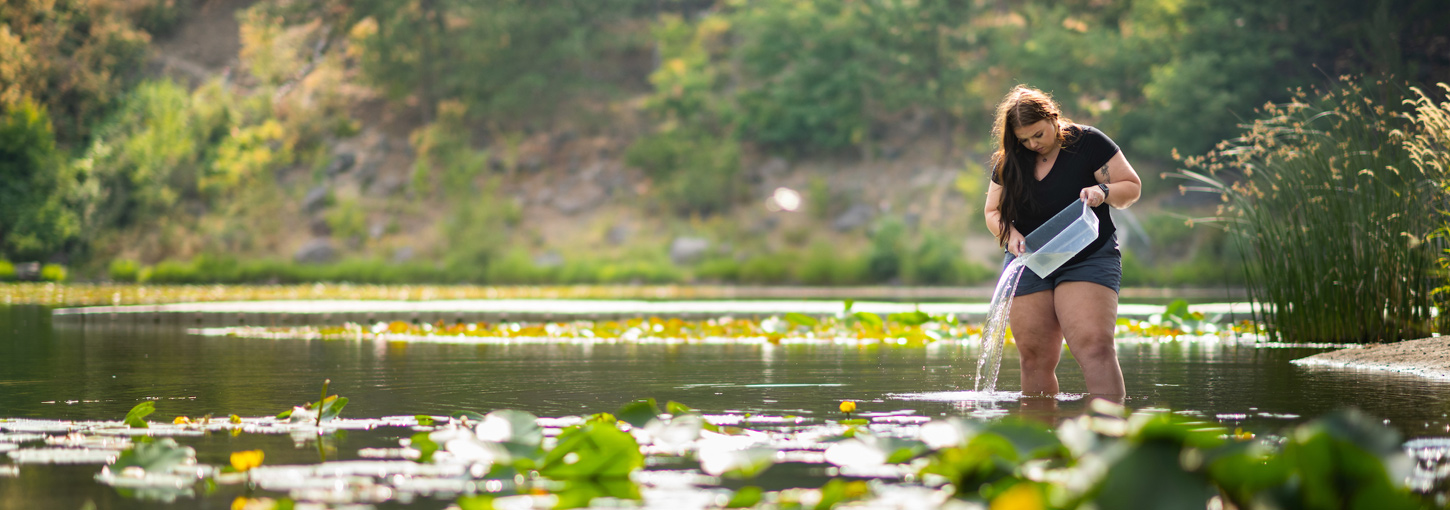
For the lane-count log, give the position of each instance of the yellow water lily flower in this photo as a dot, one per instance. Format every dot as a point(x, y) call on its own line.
point(1022, 496)
point(246, 503)
point(181, 420)
point(848, 406)
point(242, 461)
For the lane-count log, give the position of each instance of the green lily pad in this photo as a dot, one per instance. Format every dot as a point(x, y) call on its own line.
point(592, 451)
point(136, 417)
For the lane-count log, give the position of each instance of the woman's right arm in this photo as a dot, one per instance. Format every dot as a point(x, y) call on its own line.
point(1016, 244)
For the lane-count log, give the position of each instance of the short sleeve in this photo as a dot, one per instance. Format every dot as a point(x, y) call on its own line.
point(1096, 147)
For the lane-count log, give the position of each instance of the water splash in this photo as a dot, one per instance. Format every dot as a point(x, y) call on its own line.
point(994, 333)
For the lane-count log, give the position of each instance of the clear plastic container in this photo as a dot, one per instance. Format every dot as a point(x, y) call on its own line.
point(1060, 238)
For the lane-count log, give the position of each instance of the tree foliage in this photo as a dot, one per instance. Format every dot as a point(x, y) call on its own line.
point(1159, 75)
point(35, 219)
point(498, 56)
point(75, 57)
point(722, 80)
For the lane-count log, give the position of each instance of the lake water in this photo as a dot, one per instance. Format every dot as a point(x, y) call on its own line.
point(98, 373)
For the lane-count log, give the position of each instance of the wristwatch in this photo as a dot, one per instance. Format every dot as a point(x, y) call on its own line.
point(1105, 192)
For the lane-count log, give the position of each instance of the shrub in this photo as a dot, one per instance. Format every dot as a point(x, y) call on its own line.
point(637, 271)
point(171, 271)
point(348, 220)
point(823, 204)
point(772, 269)
point(825, 264)
point(52, 273)
point(7, 271)
point(575, 272)
point(935, 261)
point(444, 147)
point(124, 270)
point(694, 172)
point(884, 258)
point(517, 267)
point(476, 231)
point(718, 269)
point(969, 273)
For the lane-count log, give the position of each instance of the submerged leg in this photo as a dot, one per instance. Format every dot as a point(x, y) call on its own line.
point(1039, 341)
point(1088, 313)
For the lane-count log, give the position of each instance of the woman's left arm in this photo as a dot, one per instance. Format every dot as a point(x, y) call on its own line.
point(1124, 186)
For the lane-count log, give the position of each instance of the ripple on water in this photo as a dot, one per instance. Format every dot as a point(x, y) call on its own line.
point(975, 396)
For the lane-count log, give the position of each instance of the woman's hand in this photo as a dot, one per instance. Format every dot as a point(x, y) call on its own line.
point(1093, 195)
point(1016, 243)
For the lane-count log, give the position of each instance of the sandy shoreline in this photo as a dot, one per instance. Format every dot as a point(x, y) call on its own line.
point(1428, 357)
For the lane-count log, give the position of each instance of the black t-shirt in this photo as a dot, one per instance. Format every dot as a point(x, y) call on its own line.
point(1087, 150)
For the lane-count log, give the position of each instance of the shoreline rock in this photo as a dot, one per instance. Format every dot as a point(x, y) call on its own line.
point(1427, 357)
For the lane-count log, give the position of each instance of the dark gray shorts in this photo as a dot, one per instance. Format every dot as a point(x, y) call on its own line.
point(1104, 267)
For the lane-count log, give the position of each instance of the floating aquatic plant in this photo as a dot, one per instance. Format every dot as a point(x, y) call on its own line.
point(1108, 458)
point(245, 460)
point(326, 408)
point(909, 330)
point(136, 417)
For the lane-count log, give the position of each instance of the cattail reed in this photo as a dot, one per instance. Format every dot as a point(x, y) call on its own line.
point(1339, 201)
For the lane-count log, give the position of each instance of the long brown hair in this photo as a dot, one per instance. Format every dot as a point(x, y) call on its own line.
point(1023, 106)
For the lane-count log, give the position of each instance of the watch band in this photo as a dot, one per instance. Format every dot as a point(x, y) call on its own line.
point(1105, 191)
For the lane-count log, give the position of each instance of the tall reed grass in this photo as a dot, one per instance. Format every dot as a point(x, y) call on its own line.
point(1339, 223)
point(1429, 147)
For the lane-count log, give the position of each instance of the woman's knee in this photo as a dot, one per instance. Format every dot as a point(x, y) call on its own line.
point(1039, 357)
point(1095, 350)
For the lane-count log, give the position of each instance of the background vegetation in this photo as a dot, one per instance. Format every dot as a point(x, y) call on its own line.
point(116, 165)
point(1339, 200)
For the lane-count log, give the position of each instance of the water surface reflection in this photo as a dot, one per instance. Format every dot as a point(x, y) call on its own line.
point(99, 373)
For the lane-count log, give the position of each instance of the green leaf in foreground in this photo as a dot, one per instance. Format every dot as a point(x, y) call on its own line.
point(912, 318)
point(475, 502)
point(595, 450)
point(676, 408)
point(579, 493)
point(517, 431)
point(800, 319)
point(639, 412)
point(870, 319)
point(159, 455)
point(136, 417)
point(471, 416)
point(331, 408)
point(425, 445)
point(839, 490)
point(748, 496)
point(1178, 308)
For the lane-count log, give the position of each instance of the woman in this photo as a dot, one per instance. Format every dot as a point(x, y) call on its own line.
point(1043, 163)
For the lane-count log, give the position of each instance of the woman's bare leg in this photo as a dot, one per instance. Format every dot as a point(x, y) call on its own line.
point(1039, 341)
point(1088, 313)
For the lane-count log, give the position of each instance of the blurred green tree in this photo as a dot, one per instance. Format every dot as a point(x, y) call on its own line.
point(35, 220)
point(75, 57)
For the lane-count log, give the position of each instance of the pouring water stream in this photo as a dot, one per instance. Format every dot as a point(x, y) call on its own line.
point(1048, 247)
